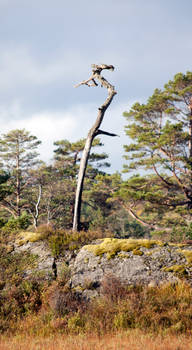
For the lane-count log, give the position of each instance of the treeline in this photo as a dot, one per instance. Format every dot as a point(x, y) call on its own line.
point(33, 193)
point(156, 197)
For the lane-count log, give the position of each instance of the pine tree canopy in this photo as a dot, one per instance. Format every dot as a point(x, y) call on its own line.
point(160, 152)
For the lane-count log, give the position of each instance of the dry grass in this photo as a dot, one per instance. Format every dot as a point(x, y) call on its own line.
point(133, 340)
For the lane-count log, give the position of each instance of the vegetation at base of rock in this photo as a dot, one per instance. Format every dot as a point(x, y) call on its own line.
point(57, 309)
point(48, 307)
point(112, 246)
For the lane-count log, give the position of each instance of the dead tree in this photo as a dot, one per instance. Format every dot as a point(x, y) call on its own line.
point(93, 132)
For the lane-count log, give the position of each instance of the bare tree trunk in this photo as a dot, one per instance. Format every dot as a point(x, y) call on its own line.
point(36, 215)
point(93, 132)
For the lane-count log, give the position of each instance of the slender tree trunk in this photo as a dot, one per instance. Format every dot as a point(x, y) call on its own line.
point(93, 132)
point(18, 182)
point(36, 216)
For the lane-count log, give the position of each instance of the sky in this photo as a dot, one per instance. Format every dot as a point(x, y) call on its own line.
point(48, 46)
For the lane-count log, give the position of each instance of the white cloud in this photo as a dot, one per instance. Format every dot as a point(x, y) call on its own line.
point(48, 126)
point(19, 66)
point(72, 124)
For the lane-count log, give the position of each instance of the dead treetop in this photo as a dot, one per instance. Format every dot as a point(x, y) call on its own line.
point(96, 74)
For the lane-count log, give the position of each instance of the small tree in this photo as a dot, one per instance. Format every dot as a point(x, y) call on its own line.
point(93, 132)
point(18, 155)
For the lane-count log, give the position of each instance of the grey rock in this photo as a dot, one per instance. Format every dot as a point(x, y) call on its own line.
point(129, 269)
point(146, 266)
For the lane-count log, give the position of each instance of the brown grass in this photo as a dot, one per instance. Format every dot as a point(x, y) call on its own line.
point(132, 340)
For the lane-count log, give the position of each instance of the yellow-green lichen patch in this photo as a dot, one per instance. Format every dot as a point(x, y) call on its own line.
point(25, 237)
point(78, 289)
point(123, 256)
point(111, 246)
point(179, 245)
point(177, 269)
point(137, 252)
point(187, 254)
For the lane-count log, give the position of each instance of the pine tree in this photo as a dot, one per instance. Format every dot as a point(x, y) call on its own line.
point(161, 151)
point(18, 155)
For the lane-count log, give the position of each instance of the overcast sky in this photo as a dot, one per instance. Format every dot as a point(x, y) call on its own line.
point(47, 46)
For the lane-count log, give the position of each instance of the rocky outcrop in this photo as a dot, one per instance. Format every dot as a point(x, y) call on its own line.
point(131, 262)
point(46, 264)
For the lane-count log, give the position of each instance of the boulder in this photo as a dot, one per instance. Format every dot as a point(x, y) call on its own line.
point(132, 262)
point(45, 264)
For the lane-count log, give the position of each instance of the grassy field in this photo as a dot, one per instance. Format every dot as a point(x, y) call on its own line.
point(133, 340)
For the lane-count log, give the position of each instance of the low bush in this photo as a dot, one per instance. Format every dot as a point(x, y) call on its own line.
point(15, 225)
point(63, 240)
point(18, 302)
point(153, 310)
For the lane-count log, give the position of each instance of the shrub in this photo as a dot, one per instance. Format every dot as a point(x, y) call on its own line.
point(113, 288)
point(19, 301)
point(64, 301)
point(63, 240)
point(76, 323)
point(14, 225)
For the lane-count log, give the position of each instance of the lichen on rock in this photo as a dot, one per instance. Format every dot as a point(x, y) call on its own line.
point(132, 261)
point(111, 246)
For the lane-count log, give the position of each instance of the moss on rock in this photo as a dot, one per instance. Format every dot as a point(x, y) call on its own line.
point(112, 246)
point(137, 252)
point(25, 237)
point(177, 269)
point(187, 254)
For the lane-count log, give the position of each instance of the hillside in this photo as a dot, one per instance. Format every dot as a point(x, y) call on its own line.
point(84, 283)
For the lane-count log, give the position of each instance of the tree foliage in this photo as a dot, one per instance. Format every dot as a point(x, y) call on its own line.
point(18, 155)
point(161, 130)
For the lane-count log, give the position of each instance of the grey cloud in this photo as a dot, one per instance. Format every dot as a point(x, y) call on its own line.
point(46, 47)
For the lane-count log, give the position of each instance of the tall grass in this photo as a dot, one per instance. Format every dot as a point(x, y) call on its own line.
point(132, 340)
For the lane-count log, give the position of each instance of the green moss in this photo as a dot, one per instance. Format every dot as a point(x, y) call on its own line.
point(25, 237)
point(123, 256)
point(137, 252)
point(111, 246)
point(187, 254)
point(177, 269)
point(179, 245)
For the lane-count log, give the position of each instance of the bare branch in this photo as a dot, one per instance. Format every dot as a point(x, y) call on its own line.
point(96, 71)
point(102, 132)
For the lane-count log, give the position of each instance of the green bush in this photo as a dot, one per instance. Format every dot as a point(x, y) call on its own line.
point(15, 225)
